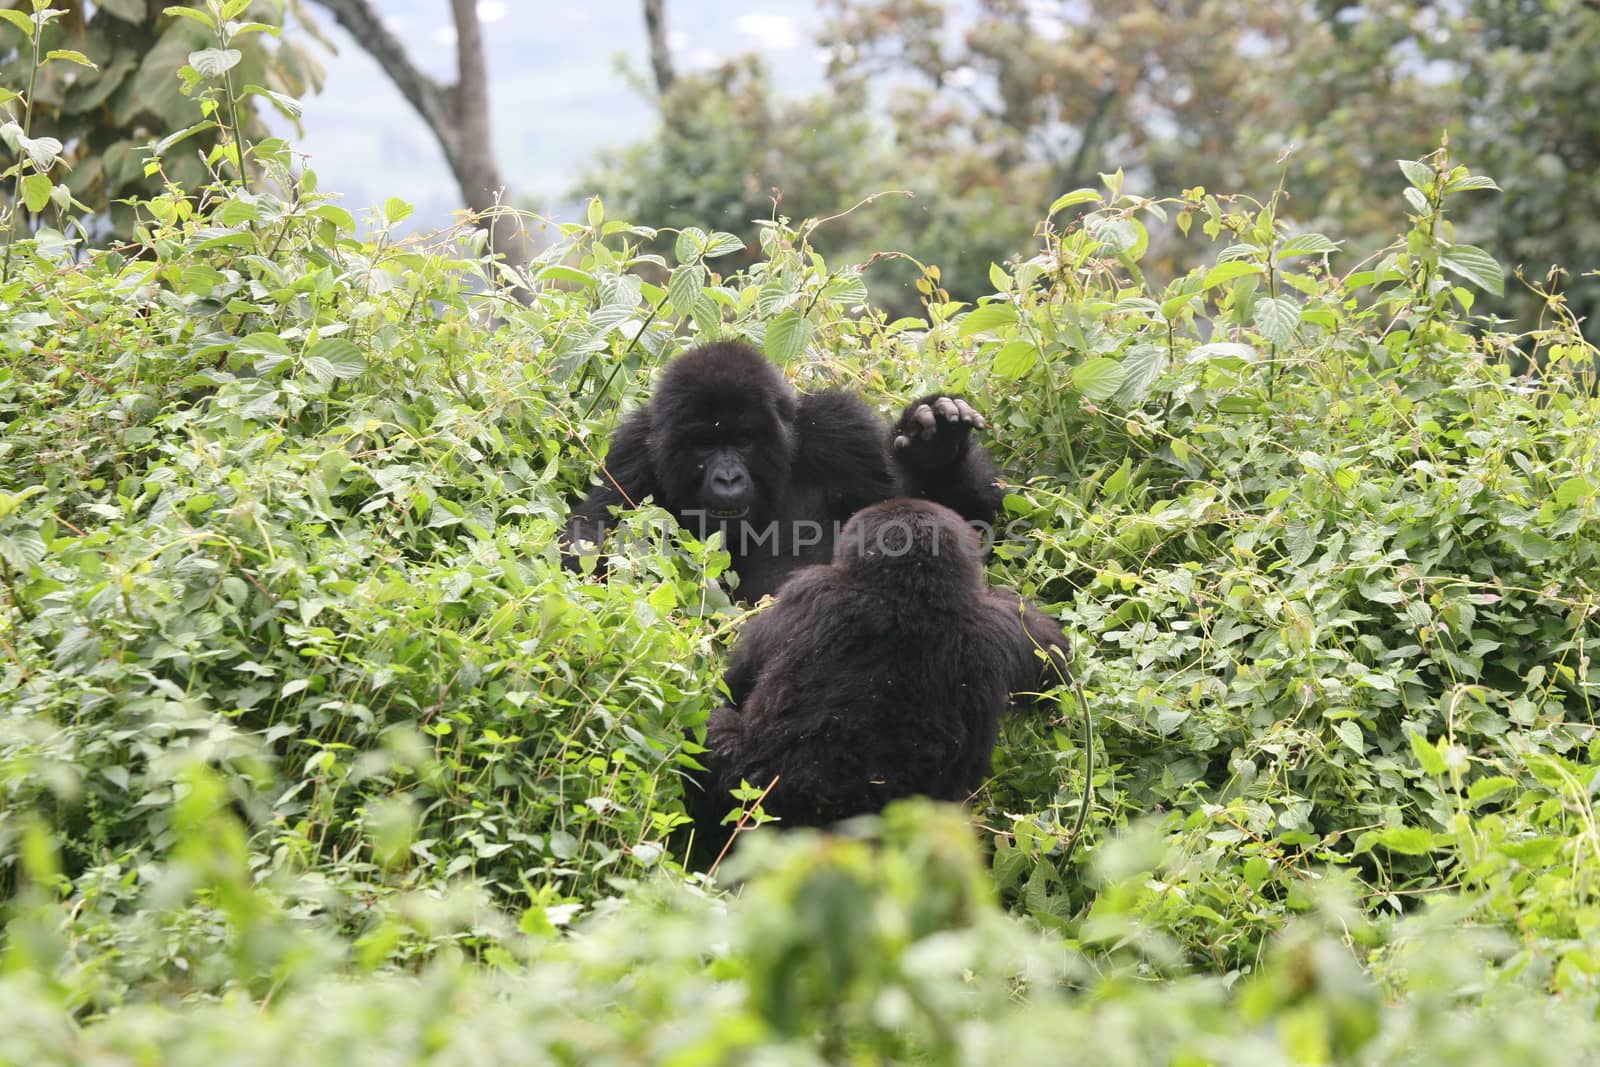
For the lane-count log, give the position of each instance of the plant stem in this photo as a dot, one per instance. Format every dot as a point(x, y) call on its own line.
point(27, 132)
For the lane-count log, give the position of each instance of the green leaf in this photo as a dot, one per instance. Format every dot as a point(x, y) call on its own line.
point(1016, 359)
point(1406, 840)
point(71, 57)
point(1098, 379)
point(1306, 244)
point(1223, 273)
point(1573, 491)
point(22, 550)
point(36, 192)
point(1474, 181)
point(22, 22)
point(1489, 788)
point(1276, 318)
point(396, 210)
point(1077, 196)
point(1418, 174)
point(787, 337)
point(44, 151)
point(686, 249)
point(723, 244)
point(1418, 202)
point(1476, 266)
point(1142, 367)
point(987, 317)
point(214, 62)
point(683, 288)
point(596, 213)
point(287, 105)
point(1428, 756)
point(343, 359)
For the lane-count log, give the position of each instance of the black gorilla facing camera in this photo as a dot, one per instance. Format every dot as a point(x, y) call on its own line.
point(726, 444)
point(879, 676)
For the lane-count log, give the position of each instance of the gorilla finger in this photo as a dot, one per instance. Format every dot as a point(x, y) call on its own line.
point(947, 408)
point(966, 411)
point(901, 441)
point(925, 417)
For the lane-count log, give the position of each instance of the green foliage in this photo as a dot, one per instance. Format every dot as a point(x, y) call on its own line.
point(309, 743)
point(113, 93)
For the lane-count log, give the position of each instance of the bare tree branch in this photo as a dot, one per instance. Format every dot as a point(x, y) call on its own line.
point(655, 24)
point(457, 115)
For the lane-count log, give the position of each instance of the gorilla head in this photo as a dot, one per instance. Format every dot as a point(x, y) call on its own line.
point(921, 549)
point(723, 433)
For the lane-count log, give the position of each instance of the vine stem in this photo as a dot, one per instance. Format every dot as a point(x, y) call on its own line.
point(27, 132)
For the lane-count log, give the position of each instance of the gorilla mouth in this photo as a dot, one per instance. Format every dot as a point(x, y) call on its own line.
point(728, 513)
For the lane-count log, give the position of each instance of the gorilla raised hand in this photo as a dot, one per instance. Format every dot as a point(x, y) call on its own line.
point(881, 676)
point(726, 444)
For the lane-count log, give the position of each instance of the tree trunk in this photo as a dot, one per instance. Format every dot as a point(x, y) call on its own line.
point(655, 24)
point(457, 115)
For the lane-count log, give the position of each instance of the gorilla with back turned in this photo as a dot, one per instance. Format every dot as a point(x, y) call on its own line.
point(725, 443)
point(880, 676)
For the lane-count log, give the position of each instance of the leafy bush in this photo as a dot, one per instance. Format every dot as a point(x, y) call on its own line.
point(309, 743)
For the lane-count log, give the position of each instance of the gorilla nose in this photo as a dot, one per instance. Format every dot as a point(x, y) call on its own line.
point(731, 485)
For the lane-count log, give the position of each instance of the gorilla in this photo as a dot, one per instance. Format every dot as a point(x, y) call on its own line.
point(725, 443)
point(879, 676)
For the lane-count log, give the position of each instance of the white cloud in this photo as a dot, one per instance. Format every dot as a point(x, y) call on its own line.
point(776, 33)
point(491, 10)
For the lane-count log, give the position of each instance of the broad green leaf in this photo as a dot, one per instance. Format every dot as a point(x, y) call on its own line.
point(1418, 174)
point(22, 22)
point(1475, 265)
point(1077, 196)
point(396, 210)
point(987, 317)
point(596, 213)
point(787, 337)
point(683, 288)
point(1016, 359)
point(723, 244)
point(1276, 318)
point(44, 151)
point(21, 550)
point(214, 62)
point(1418, 202)
point(36, 192)
point(1406, 840)
point(1098, 379)
point(1226, 352)
point(1306, 244)
point(1574, 490)
point(1428, 756)
point(1223, 273)
point(1489, 788)
point(343, 358)
point(1142, 367)
point(688, 245)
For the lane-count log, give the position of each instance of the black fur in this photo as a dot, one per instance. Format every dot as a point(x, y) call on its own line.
point(880, 676)
point(724, 430)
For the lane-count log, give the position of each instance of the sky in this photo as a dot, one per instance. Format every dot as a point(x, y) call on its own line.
point(555, 89)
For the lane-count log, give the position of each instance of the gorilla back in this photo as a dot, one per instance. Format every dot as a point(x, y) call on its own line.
point(726, 444)
point(880, 676)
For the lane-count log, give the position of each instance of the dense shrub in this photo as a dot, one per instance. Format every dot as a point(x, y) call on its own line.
point(308, 742)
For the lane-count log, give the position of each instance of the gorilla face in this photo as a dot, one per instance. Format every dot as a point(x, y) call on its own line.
point(722, 435)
